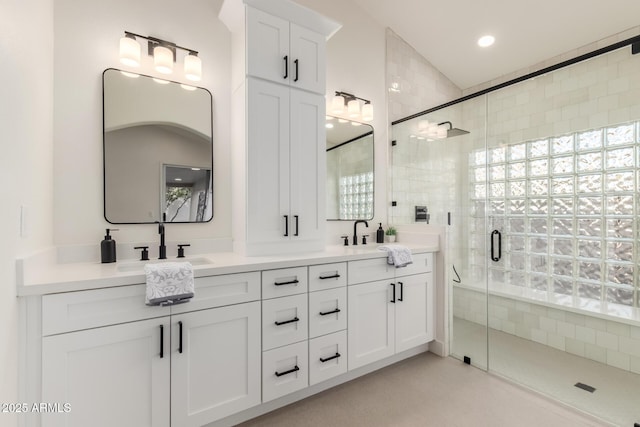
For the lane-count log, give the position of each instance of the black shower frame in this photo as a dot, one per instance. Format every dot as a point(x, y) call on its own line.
point(635, 49)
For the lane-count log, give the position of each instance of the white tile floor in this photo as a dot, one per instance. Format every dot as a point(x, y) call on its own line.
point(552, 372)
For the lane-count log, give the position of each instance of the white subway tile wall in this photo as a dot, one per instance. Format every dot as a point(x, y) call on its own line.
point(606, 341)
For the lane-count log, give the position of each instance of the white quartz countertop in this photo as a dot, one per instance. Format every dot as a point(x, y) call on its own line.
point(38, 276)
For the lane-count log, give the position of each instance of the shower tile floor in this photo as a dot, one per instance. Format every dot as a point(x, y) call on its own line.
point(552, 372)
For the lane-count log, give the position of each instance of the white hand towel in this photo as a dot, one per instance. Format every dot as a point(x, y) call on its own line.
point(397, 255)
point(169, 283)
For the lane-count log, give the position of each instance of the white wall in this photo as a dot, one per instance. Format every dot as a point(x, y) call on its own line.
point(87, 34)
point(26, 43)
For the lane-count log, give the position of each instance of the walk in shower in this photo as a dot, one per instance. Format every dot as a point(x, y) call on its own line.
point(540, 205)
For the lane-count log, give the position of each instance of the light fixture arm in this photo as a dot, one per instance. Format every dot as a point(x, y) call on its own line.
point(350, 97)
point(155, 41)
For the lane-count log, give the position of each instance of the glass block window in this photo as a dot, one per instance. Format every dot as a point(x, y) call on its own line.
point(567, 208)
point(356, 196)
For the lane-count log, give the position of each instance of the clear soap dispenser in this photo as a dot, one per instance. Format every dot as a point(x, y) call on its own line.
point(108, 248)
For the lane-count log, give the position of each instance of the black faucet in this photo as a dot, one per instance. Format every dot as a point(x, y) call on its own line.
point(162, 248)
point(355, 225)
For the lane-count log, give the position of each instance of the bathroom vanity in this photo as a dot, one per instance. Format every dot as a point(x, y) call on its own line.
point(260, 333)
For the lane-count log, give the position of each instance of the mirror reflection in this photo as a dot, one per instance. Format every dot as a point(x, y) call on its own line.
point(158, 150)
point(350, 177)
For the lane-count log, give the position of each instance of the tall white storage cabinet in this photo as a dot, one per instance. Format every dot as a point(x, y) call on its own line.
point(278, 133)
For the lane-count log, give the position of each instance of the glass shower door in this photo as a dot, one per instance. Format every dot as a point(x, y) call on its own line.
point(434, 174)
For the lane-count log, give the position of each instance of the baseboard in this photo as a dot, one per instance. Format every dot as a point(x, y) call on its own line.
point(314, 389)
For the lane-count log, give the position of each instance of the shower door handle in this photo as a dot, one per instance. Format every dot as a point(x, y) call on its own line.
point(495, 233)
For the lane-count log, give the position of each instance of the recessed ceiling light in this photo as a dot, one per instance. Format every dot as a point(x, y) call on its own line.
point(486, 41)
point(329, 125)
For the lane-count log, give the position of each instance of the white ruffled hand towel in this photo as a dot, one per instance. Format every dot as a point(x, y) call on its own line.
point(397, 255)
point(169, 283)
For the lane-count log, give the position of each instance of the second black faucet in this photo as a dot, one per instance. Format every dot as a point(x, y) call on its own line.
point(355, 226)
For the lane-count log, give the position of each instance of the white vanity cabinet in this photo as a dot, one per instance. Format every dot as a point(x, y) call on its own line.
point(392, 315)
point(278, 128)
point(181, 368)
point(284, 52)
point(110, 376)
point(215, 363)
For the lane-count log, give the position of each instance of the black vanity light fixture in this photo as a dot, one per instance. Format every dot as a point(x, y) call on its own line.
point(352, 104)
point(163, 52)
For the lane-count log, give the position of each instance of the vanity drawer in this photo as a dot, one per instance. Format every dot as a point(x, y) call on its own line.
point(327, 357)
point(369, 270)
point(284, 370)
point(73, 311)
point(422, 263)
point(284, 321)
point(323, 318)
point(226, 289)
point(283, 282)
point(327, 276)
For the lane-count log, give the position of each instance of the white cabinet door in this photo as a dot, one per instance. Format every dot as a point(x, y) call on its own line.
point(307, 53)
point(268, 162)
point(414, 314)
point(371, 324)
point(112, 376)
point(285, 53)
point(267, 46)
point(217, 372)
point(308, 166)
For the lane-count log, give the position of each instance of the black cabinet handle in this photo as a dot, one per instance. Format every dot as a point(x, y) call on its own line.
point(161, 341)
point(286, 225)
point(401, 291)
point(495, 233)
point(295, 319)
point(393, 299)
point(286, 66)
point(180, 340)
point(335, 276)
point(326, 313)
point(296, 64)
point(330, 358)
point(279, 374)
point(297, 224)
point(291, 282)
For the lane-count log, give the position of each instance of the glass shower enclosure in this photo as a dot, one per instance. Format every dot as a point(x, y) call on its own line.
point(536, 183)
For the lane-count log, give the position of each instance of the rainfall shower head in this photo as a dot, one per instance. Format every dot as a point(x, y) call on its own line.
point(453, 131)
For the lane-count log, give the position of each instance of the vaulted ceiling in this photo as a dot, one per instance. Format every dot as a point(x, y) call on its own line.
point(527, 32)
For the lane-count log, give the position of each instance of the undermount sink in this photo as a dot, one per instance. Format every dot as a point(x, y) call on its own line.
point(129, 266)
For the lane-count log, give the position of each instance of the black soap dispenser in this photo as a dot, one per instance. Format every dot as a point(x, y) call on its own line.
point(380, 234)
point(108, 248)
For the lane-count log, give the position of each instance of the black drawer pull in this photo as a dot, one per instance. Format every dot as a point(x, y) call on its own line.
point(290, 371)
point(401, 291)
point(337, 310)
point(291, 282)
point(330, 358)
point(180, 344)
point(161, 341)
point(295, 319)
point(297, 71)
point(335, 276)
point(393, 299)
